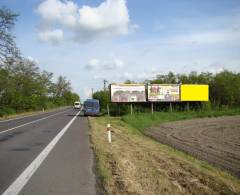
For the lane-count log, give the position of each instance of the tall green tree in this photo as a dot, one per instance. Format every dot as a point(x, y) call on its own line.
point(8, 49)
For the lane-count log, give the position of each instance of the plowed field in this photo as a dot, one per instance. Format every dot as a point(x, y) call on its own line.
point(216, 140)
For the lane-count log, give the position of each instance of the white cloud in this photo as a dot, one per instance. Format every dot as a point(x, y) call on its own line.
point(87, 92)
point(57, 11)
point(236, 28)
point(99, 77)
point(92, 64)
point(139, 77)
point(210, 37)
point(32, 59)
point(114, 64)
point(104, 65)
point(87, 23)
point(51, 36)
point(125, 75)
point(110, 15)
point(215, 67)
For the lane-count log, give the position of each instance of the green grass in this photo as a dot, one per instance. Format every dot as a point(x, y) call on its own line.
point(152, 168)
point(142, 121)
point(20, 114)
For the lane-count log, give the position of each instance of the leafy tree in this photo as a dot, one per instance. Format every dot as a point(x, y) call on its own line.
point(22, 85)
point(129, 82)
point(103, 97)
point(61, 86)
point(8, 47)
point(225, 88)
point(170, 78)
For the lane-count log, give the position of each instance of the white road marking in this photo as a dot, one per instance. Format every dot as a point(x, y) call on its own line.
point(4, 131)
point(26, 175)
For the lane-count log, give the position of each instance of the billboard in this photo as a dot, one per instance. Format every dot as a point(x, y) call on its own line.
point(194, 93)
point(128, 93)
point(163, 92)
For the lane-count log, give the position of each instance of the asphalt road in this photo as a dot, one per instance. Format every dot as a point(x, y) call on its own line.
point(55, 148)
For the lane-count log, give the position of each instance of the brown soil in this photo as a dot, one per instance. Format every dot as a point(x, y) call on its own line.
point(215, 140)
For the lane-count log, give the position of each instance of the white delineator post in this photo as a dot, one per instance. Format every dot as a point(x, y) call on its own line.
point(109, 133)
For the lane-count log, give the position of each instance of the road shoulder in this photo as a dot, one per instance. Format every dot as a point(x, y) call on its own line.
point(69, 167)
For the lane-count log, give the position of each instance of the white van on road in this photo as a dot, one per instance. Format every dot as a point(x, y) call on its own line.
point(77, 105)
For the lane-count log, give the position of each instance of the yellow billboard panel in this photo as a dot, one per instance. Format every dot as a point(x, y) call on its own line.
point(194, 92)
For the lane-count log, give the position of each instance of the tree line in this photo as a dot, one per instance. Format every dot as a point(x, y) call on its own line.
point(23, 86)
point(224, 92)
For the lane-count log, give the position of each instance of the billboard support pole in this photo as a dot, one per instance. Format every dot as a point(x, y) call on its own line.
point(170, 106)
point(188, 106)
point(108, 111)
point(131, 108)
point(118, 109)
point(152, 107)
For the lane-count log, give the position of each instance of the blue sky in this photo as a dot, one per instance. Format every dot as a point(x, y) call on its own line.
point(91, 40)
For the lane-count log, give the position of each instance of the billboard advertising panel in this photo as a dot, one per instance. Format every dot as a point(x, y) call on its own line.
point(194, 92)
point(128, 93)
point(163, 92)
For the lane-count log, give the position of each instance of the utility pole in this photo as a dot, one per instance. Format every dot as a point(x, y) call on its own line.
point(92, 92)
point(104, 83)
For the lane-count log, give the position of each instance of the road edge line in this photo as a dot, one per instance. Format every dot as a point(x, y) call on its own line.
point(26, 175)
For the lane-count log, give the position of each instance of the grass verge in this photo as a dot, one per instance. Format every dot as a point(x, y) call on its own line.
point(142, 121)
point(22, 114)
point(136, 164)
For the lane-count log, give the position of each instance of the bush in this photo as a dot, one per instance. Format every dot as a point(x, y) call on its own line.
point(4, 111)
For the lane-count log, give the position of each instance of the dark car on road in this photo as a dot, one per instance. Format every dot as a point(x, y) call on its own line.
point(91, 107)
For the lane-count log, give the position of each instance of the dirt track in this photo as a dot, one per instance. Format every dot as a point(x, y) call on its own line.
point(216, 140)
